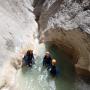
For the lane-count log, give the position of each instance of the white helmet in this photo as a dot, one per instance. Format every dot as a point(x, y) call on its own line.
point(47, 52)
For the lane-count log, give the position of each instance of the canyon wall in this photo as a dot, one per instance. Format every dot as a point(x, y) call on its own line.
point(66, 23)
point(18, 30)
point(17, 27)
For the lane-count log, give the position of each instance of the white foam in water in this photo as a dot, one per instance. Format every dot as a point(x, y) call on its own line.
point(52, 85)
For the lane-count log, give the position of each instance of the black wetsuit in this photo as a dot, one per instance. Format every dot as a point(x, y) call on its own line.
point(28, 59)
point(53, 70)
point(47, 61)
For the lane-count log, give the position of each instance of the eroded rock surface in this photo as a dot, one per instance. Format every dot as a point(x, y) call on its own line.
point(17, 30)
point(67, 24)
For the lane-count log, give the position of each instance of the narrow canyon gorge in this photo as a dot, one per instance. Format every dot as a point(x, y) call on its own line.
point(60, 26)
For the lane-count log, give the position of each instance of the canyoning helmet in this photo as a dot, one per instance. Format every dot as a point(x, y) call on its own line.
point(53, 62)
point(47, 53)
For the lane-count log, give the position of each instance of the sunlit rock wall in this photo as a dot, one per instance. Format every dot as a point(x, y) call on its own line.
point(17, 26)
point(18, 31)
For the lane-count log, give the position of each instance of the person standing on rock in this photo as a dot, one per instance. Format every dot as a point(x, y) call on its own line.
point(29, 58)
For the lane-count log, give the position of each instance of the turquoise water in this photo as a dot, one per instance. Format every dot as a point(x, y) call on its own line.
point(37, 77)
point(66, 77)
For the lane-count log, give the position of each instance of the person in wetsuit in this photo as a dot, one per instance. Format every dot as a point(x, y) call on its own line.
point(29, 58)
point(53, 68)
point(47, 60)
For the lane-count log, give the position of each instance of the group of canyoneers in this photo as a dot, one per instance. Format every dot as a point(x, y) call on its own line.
point(48, 62)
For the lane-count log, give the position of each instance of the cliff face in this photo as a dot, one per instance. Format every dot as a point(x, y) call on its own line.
point(16, 26)
point(17, 30)
point(66, 23)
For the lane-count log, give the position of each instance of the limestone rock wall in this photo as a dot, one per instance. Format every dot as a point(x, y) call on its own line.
point(17, 30)
point(67, 23)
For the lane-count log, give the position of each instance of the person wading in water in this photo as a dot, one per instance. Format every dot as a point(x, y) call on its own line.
point(29, 58)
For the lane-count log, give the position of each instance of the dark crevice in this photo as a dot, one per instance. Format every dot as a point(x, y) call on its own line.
point(86, 7)
point(35, 3)
point(38, 4)
point(78, 1)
